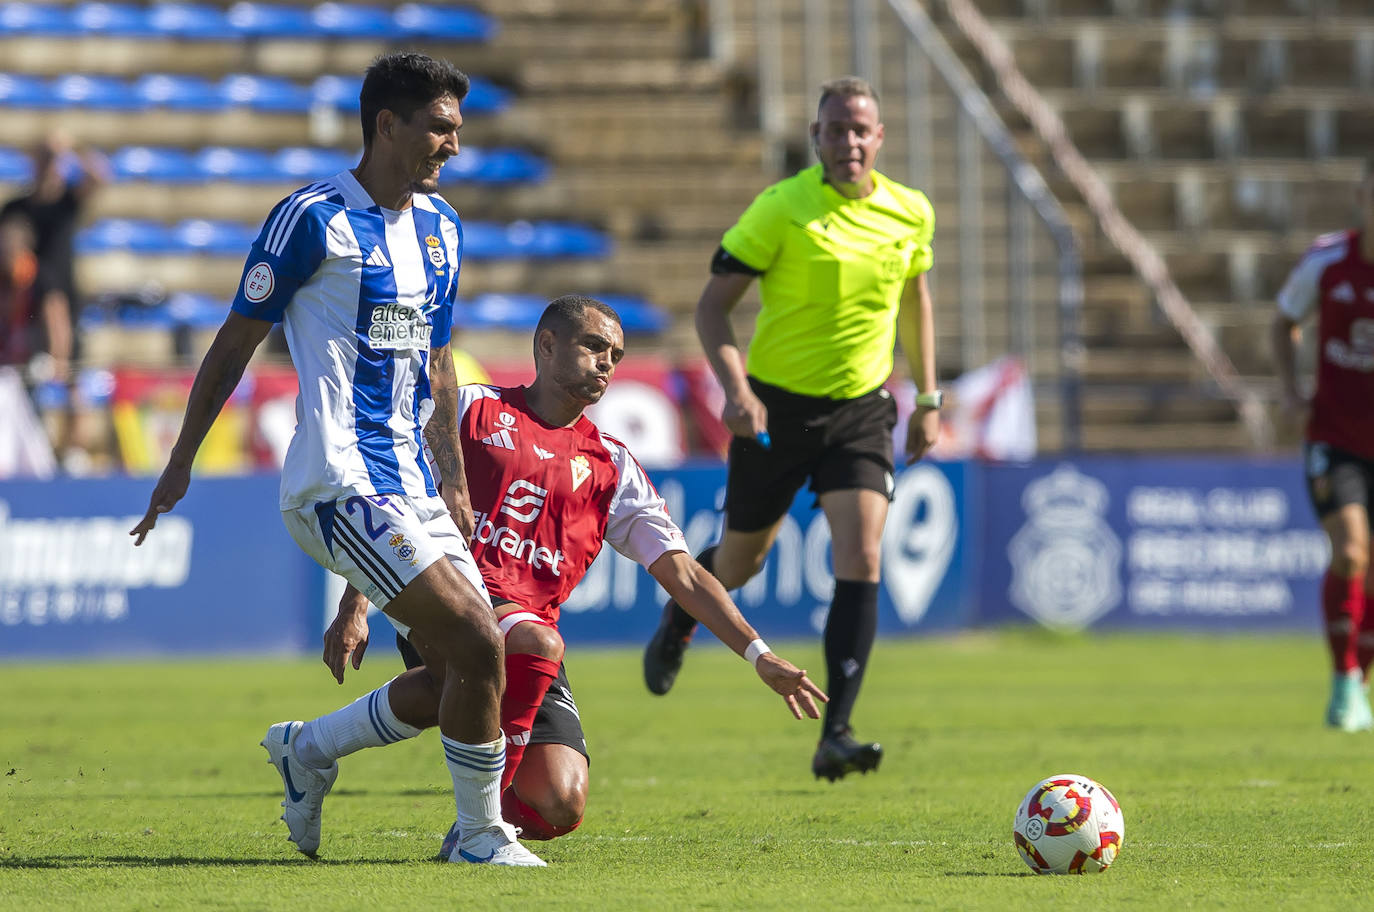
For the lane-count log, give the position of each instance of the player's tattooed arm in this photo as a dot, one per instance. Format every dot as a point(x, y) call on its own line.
point(441, 433)
point(219, 374)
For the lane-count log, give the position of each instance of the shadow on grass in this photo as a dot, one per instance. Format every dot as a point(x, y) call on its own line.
point(58, 862)
point(990, 874)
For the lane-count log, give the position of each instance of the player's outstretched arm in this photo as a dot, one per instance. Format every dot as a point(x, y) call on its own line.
point(219, 373)
point(703, 597)
point(347, 635)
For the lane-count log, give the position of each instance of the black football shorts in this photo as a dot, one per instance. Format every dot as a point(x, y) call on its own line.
point(836, 443)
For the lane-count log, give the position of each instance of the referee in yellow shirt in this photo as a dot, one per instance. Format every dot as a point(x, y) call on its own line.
point(841, 254)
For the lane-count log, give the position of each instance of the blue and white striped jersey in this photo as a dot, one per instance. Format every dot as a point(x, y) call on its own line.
point(363, 293)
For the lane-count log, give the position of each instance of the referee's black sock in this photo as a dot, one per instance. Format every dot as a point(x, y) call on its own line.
point(683, 623)
point(849, 633)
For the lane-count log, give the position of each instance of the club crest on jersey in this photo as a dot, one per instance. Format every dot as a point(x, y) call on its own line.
point(581, 470)
point(436, 251)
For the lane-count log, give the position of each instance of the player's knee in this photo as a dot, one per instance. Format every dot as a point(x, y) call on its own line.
point(734, 569)
point(535, 639)
point(564, 805)
point(1350, 559)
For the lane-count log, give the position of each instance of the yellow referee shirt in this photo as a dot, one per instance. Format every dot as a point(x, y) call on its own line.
point(833, 273)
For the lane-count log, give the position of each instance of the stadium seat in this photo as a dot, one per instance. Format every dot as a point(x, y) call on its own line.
point(183, 93)
point(265, 93)
point(341, 20)
point(229, 163)
point(106, 92)
point(496, 166)
point(522, 312)
point(155, 164)
point(119, 19)
point(22, 91)
point(301, 163)
point(267, 20)
point(447, 23)
point(211, 237)
point(15, 166)
point(189, 21)
point(36, 19)
point(138, 235)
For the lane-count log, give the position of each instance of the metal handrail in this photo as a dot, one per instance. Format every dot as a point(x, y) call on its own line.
point(1032, 187)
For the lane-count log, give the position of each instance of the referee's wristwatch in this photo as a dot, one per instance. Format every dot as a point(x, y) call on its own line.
point(931, 400)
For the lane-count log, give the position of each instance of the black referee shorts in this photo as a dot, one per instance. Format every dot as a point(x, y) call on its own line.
point(836, 443)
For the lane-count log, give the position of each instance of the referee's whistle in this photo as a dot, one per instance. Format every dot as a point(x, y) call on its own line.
point(764, 440)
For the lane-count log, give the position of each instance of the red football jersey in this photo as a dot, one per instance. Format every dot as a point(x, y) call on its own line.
point(545, 498)
point(1336, 283)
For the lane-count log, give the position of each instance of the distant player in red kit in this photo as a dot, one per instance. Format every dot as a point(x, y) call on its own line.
point(1335, 282)
point(548, 488)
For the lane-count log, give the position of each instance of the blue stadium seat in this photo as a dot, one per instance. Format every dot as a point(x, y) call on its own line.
point(195, 21)
point(486, 241)
point(347, 20)
point(268, 20)
point(154, 164)
point(138, 235)
point(496, 166)
point(499, 311)
point(234, 164)
point(36, 19)
point(106, 92)
point(265, 93)
point(197, 311)
point(118, 19)
point(19, 90)
point(556, 239)
point(448, 23)
point(522, 312)
point(178, 92)
point(306, 164)
point(636, 314)
point(212, 237)
point(15, 166)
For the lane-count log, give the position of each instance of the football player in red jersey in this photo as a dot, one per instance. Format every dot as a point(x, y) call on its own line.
point(548, 489)
point(1334, 282)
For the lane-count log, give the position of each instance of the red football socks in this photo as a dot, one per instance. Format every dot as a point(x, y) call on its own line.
point(527, 680)
point(1343, 609)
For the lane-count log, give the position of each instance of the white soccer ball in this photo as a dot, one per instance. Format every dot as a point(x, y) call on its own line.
point(1068, 824)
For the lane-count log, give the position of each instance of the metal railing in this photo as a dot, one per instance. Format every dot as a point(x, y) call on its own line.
point(894, 45)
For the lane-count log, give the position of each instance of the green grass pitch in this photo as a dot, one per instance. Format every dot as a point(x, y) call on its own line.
point(141, 786)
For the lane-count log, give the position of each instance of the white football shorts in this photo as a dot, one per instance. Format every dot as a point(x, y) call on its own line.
point(380, 542)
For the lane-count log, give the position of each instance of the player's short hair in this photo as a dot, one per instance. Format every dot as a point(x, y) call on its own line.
point(404, 83)
point(566, 312)
point(847, 87)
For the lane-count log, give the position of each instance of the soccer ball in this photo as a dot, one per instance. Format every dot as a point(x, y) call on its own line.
point(1068, 825)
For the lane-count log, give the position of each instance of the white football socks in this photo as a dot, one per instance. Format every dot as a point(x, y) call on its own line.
point(366, 722)
point(476, 771)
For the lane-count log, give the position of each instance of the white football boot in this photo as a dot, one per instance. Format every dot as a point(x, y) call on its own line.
point(305, 787)
point(496, 845)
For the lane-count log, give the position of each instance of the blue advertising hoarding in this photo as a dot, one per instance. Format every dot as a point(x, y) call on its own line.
point(1204, 544)
point(1210, 544)
point(219, 574)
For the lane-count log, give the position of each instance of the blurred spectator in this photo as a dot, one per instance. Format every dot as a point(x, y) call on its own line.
point(18, 275)
point(63, 181)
